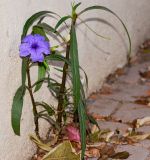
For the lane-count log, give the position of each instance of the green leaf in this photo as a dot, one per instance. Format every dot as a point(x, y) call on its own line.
point(39, 30)
point(39, 143)
point(59, 69)
point(86, 77)
point(121, 155)
point(82, 120)
point(41, 75)
point(32, 19)
point(24, 68)
point(49, 28)
point(77, 88)
point(92, 30)
point(16, 110)
point(54, 88)
point(50, 120)
point(42, 80)
point(63, 151)
point(57, 57)
point(92, 120)
point(75, 66)
point(47, 107)
point(62, 20)
point(46, 27)
point(76, 6)
point(106, 9)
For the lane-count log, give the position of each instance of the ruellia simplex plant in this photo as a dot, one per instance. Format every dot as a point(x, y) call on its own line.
point(36, 49)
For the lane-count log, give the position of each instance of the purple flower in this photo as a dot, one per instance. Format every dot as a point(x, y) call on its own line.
point(34, 46)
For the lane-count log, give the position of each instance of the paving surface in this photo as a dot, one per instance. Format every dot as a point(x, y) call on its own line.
point(117, 100)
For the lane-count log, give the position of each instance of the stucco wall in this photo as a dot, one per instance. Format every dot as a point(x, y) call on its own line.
point(99, 57)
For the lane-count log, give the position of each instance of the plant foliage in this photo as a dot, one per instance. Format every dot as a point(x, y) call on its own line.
point(69, 91)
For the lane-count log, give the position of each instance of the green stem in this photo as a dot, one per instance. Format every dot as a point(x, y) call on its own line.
point(62, 88)
point(35, 113)
point(60, 108)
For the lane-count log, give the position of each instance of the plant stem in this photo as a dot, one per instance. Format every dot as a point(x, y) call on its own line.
point(62, 88)
point(64, 77)
point(35, 113)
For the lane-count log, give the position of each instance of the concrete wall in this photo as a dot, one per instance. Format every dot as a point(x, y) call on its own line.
point(99, 57)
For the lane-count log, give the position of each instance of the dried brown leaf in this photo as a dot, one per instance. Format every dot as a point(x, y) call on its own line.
point(61, 152)
point(40, 144)
point(92, 152)
point(138, 138)
point(143, 121)
point(145, 74)
point(120, 155)
point(108, 150)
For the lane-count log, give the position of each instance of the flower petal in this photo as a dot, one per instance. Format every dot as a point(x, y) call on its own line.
point(38, 38)
point(36, 46)
point(37, 57)
point(28, 39)
point(24, 50)
point(44, 47)
point(73, 133)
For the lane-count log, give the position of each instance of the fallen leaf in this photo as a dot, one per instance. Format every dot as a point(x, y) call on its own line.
point(98, 117)
point(73, 133)
point(35, 139)
point(108, 150)
point(109, 135)
point(143, 121)
point(92, 152)
point(145, 74)
point(63, 151)
point(120, 155)
point(94, 137)
point(138, 138)
point(94, 129)
point(144, 100)
point(100, 135)
point(76, 146)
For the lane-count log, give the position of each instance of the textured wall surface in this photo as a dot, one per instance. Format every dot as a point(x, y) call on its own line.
point(98, 57)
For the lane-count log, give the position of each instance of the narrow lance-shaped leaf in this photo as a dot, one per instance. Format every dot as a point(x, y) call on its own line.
point(76, 6)
point(23, 72)
point(17, 110)
point(39, 30)
point(85, 76)
point(82, 120)
point(106, 9)
point(41, 75)
point(41, 66)
point(62, 20)
point(57, 57)
point(49, 28)
point(77, 87)
point(92, 120)
point(47, 107)
point(75, 66)
point(45, 79)
point(32, 19)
